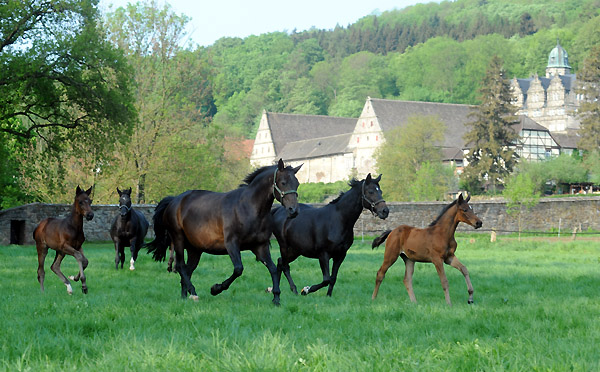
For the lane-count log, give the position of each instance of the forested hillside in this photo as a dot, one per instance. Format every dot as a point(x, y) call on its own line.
point(192, 105)
point(428, 52)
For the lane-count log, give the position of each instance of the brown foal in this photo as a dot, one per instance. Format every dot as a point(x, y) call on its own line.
point(435, 244)
point(65, 236)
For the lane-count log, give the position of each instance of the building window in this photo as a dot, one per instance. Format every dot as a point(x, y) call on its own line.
point(371, 122)
point(363, 124)
point(376, 138)
point(357, 139)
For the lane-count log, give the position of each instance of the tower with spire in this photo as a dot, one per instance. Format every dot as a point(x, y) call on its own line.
point(550, 100)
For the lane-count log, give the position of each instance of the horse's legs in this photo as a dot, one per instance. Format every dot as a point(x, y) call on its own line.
point(439, 266)
point(283, 265)
point(42, 251)
point(388, 260)
point(134, 248)
point(324, 263)
point(192, 262)
point(117, 254)
point(236, 258)
point(264, 255)
point(56, 269)
point(171, 259)
point(454, 262)
point(83, 263)
point(186, 283)
point(409, 270)
point(337, 262)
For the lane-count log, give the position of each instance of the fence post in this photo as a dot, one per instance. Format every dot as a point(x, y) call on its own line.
point(574, 236)
point(493, 236)
point(559, 222)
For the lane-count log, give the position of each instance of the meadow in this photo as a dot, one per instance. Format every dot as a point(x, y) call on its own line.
point(537, 308)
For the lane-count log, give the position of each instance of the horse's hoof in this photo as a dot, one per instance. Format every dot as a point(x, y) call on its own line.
point(72, 277)
point(305, 290)
point(194, 297)
point(470, 302)
point(276, 303)
point(269, 290)
point(69, 289)
point(215, 290)
point(85, 290)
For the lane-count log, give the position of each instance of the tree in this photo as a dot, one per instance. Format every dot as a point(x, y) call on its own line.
point(411, 161)
point(490, 158)
point(588, 80)
point(151, 37)
point(58, 74)
point(521, 195)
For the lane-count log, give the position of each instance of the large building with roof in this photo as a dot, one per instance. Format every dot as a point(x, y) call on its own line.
point(334, 149)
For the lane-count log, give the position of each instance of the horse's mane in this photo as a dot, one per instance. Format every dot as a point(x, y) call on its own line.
point(442, 212)
point(353, 182)
point(250, 177)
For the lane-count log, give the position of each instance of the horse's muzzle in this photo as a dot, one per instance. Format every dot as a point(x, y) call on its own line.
point(383, 213)
point(292, 212)
point(478, 224)
point(89, 216)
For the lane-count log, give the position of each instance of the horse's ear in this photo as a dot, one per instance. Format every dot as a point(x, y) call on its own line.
point(378, 179)
point(368, 179)
point(297, 168)
point(89, 191)
point(128, 192)
point(119, 192)
point(280, 165)
point(460, 198)
point(468, 198)
point(78, 190)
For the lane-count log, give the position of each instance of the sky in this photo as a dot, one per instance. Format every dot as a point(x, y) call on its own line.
point(214, 19)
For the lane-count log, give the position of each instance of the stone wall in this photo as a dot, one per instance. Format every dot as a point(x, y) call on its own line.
point(551, 213)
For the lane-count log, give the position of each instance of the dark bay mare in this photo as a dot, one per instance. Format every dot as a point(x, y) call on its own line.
point(65, 236)
point(128, 229)
point(327, 232)
point(199, 221)
point(435, 244)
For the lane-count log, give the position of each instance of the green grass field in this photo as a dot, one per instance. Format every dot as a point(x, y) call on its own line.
point(537, 308)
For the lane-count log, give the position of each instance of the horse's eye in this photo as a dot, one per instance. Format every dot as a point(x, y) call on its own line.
point(283, 183)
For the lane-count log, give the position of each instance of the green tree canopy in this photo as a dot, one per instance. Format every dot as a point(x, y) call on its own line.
point(588, 81)
point(57, 73)
point(490, 135)
point(411, 161)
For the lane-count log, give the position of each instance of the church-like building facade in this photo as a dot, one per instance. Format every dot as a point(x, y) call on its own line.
point(334, 149)
point(551, 100)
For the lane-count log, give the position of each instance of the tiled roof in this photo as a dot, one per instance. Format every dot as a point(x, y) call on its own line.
point(316, 147)
point(286, 128)
point(393, 113)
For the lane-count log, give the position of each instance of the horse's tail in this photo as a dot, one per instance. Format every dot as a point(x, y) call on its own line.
point(158, 247)
point(377, 242)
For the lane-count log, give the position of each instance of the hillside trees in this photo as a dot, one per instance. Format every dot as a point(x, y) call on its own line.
point(589, 110)
point(490, 160)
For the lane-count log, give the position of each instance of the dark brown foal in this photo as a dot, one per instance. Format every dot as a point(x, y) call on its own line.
point(435, 244)
point(65, 236)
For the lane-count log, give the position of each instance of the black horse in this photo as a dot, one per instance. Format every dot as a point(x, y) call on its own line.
point(128, 229)
point(325, 233)
point(199, 221)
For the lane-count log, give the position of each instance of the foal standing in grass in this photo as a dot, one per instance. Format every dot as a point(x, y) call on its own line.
point(435, 244)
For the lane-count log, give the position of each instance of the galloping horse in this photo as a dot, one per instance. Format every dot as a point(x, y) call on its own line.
point(435, 244)
point(201, 221)
point(325, 233)
point(65, 236)
point(128, 229)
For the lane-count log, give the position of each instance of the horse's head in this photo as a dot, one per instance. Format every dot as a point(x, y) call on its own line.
point(285, 187)
point(465, 212)
point(124, 201)
point(83, 203)
point(372, 197)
